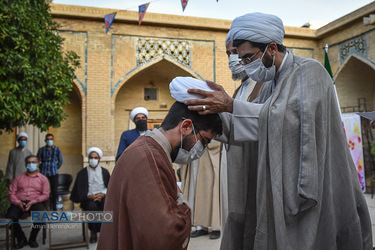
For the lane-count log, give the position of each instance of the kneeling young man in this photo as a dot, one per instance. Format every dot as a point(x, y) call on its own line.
point(149, 210)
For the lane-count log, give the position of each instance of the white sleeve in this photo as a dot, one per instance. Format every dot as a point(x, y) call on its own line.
point(245, 120)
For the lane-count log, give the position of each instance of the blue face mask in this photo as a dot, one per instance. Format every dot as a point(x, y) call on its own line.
point(22, 143)
point(31, 167)
point(49, 143)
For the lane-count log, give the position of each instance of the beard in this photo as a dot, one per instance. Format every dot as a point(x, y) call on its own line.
point(239, 76)
point(186, 144)
point(268, 61)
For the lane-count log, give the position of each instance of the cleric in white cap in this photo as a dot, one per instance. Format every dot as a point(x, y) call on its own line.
point(90, 188)
point(303, 191)
point(139, 116)
point(16, 159)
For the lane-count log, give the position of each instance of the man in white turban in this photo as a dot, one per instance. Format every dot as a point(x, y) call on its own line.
point(90, 188)
point(307, 193)
point(139, 116)
point(17, 156)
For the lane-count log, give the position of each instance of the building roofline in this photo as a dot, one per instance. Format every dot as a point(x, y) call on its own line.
point(156, 19)
point(346, 20)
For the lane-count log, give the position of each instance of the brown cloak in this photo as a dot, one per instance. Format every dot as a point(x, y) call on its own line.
point(142, 194)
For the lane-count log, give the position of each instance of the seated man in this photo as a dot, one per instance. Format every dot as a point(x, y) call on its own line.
point(149, 210)
point(27, 192)
point(90, 188)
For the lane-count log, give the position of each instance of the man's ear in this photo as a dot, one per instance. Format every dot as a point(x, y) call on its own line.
point(272, 48)
point(186, 127)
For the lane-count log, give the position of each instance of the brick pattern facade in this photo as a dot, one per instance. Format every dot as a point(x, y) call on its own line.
point(110, 83)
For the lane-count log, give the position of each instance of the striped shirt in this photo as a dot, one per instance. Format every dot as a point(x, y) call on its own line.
point(50, 160)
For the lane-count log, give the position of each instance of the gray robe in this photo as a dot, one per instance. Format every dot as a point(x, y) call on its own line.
point(240, 171)
point(307, 191)
point(16, 162)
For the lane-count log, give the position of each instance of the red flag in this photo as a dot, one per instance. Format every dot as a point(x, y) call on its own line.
point(142, 12)
point(184, 3)
point(108, 20)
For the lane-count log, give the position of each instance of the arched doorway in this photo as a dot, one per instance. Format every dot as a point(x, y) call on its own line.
point(147, 87)
point(68, 137)
point(356, 79)
point(355, 84)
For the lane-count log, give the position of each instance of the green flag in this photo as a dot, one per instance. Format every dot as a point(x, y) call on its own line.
point(327, 65)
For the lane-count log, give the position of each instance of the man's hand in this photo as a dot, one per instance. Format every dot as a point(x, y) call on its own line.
point(98, 196)
point(21, 205)
point(91, 196)
point(28, 205)
point(214, 101)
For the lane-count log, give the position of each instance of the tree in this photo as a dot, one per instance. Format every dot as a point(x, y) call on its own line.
point(35, 74)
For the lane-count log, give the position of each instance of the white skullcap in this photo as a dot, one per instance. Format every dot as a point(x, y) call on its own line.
point(95, 149)
point(22, 134)
point(180, 85)
point(227, 39)
point(138, 110)
point(258, 27)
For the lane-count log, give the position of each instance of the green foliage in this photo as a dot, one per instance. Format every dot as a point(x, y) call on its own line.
point(373, 148)
point(4, 202)
point(35, 74)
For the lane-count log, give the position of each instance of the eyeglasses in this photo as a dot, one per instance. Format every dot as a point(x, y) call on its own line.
point(248, 59)
point(205, 141)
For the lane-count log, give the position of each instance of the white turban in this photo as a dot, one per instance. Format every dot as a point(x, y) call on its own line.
point(22, 134)
point(180, 85)
point(258, 27)
point(227, 39)
point(94, 149)
point(138, 110)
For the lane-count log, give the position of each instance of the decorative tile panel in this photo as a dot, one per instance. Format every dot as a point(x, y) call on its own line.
point(149, 49)
point(356, 45)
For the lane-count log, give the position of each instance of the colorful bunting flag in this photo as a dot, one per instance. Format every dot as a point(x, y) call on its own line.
point(184, 3)
point(108, 20)
point(142, 12)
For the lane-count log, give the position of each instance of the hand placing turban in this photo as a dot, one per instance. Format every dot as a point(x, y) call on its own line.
point(180, 85)
point(258, 27)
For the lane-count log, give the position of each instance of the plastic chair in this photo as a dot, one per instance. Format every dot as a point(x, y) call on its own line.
point(64, 182)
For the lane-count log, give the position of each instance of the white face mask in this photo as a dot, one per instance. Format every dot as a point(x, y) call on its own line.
point(93, 163)
point(185, 157)
point(238, 71)
point(49, 143)
point(258, 72)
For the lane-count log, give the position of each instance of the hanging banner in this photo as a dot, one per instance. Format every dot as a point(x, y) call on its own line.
point(352, 125)
point(184, 3)
point(108, 20)
point(142, 12)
